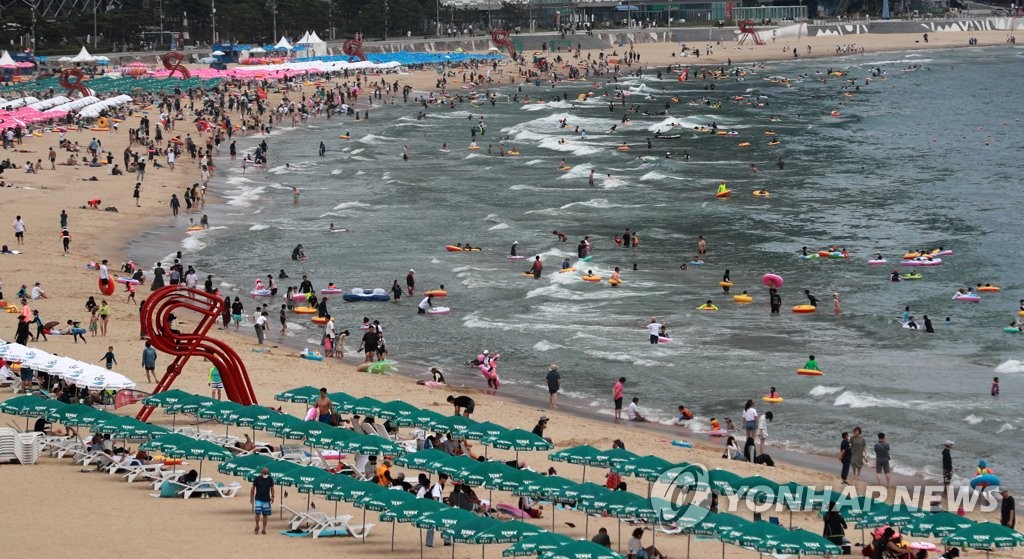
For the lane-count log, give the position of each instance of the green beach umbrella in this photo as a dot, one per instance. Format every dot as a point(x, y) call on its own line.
point(407, 511)
point(354, 491)
point(442, 518)
point(339, 399)
point(759, 489)
point(464, 532)
point(373, 445)
point(110, 425)
point(76, 415)
point(277, 422)
point(305, 430)
point(612, 457)
point(244, 465)
point(985, 535)
point(333, 438)
point(452, 465)
point(519, 440)
point(586, 492)
point(723, 482)
point(889, 516)
point(217, 411)
point(189, 404)
point(752, 534)
point(328, 483)
point(614, 503)
point(484, 430)
point(536, 545)
point(427, 460)
point(29, 406)
point(277, 469)
point(360, 406)
point(492, 475)
point(297, 477)
point(581, 550)
point(855, 507)
point(798, 542)
point(507, 532)
point(166, 442)
point(198, 450)
point(165, 398)
point(552, 488)
point(648, 468)
point(715, 523)
point(247, 416)
point(427, 419)
point(939, 524)
point(398, 412)
point(693, 477)
point(454, 424)
point(582, 454)
point(300, 395)
point(383, 500)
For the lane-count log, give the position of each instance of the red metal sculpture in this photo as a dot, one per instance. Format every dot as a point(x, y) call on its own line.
point(500, 39)
point(78, 84)
point(747, 30)
point(172, 61)
point(354, 47)
point(161, 333)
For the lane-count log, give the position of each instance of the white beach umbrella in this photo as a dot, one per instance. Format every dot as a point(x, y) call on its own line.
point(97, 378)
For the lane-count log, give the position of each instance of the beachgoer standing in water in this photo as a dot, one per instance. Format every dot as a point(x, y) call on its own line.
point(410, 282)
point(617, 398)
point(702, 246)
point(775, 300)
point(537, 267)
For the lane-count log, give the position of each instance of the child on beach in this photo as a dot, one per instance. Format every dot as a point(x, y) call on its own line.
point(109, 358)
point(995, 387)
point(94, 323)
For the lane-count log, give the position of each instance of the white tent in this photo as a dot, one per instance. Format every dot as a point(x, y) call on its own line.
point(257, 50)
point(304, 39)
point(281, 45)
point(7, 61)
point(315, 45)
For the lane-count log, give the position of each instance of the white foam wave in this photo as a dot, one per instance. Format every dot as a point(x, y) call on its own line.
point(499, 227)
point(192, 243)
point(973, 419)
point(243, 196)
point(1005, 427)
point(258, 227)
point(623, 357)
point(545, 345)
point(336, 171)
point(1011, 366)
point(857, 400)
point(824, 390)
point(349, 205)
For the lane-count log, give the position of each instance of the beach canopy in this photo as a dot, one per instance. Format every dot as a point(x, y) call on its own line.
point(283, 44)
point(452, 465)
point(723, 482)
point(218, 411)
point(244, 465)
point(455, 424)
point(333, 439)
point(398, 412)
point(76, 415)
point(427, 419)
point(384, 500)
point(546, 487)
point(888, 515)
point(361, 406)
point(30, 406)
point(299, 395)
point(189, 404)
point(581, 550)
point(246, 416)
point(168, 397)
point(277, 468)
point(484, 430)
point(444, 517)
point(519, 440)
point(465, 531)
point(506, 532)
point(409, 510)
point(302, 478)
point(372, 445)
point(753, 534)
point(189, 448)
point(612, 457)
point(277, 423)
point(939, 524)
point(536, 545)
point(646, 467)
point(428, 460)
point(985, 535)
point(492, 475)
point(324, 485)
point(798, 542)
point(354, 491)
point(582, 454)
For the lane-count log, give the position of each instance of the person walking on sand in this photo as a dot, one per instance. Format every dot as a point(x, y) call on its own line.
point(216, 383)
point(261, 497)
point(882, 465)
point(845, 456)
point(104, 312)
point(149, 362)
point(19, 230)
point(554, 385)
point(175, 204)
point(617, 398)
point(137, 194)
point(108, 358)
point(947, 463)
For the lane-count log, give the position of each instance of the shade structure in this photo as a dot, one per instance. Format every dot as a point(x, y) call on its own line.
point(428, 460)
point(452, 465)
point(121, 427)
point(277, 468)
point(856, 507)
point(354, 491)
point(759, 489)
point(305, 429)
point(373, 445)
point(76, 415)
point(985, 535)
point(581, 550)
point(723, 482)
point(333, 438)
point(493, 475)
point(189, 404)
point(583, 454)
point(649, 468)
point(383, 500)
point(715, 523)
point(244, 465)
point(519, 440)
point(798, 542)
point(546, 487)
point(407, 511)
point(585, 491)
point(939, 524)
point(189, 448)
point(218, 411)
point(303, 475)
point(339, 399)
point(465, 531)
point(612, 457)
point(277, 422)
point(398, 412)
point(298, 395)
point(506, 532)
point(167, 397)
point(536, 545)
point(752, 534)
point(30, 406)
point(484, 430)
point(887, 515)
point(360, 406)
point(246, 416)
point(326, 484)
point(454, 424)
point(443, 518)
point(427, 419)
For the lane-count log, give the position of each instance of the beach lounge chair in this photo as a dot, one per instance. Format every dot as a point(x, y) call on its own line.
point(9, 380)
point(297, 520)
point(28, 447)
point(339, 525)
point(8, 444)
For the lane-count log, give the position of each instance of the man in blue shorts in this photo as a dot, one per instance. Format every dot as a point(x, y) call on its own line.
point(261, 496)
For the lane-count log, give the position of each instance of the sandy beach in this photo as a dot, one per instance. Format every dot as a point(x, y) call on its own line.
point(107, 512)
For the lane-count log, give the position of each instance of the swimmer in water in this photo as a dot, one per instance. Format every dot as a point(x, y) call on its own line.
point(722, 188)
point(590, 179)
point(444, 147)
point(562, 237)
point(295, 195)
point(323, 149)
point(566, 265)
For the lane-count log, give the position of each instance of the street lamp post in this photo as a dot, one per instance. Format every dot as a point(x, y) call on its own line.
point(437, 17)
point(273, 13)
point(213, 21)
point(94, 27)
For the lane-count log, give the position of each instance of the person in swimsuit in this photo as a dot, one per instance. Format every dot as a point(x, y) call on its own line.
point(324, 408)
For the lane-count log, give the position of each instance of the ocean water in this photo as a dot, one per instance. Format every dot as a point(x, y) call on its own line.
point(921, 158)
